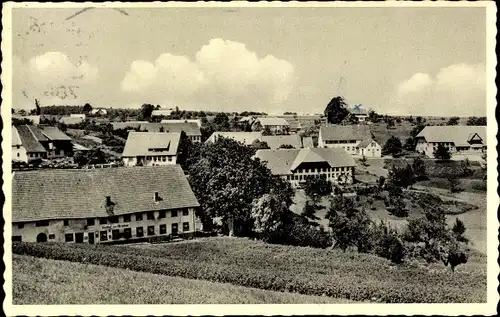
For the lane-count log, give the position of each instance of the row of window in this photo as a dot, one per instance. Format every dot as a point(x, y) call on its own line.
point(159, 158)
point(321, 170)
point(303, 177)
point(115, 219)
point(340, 141)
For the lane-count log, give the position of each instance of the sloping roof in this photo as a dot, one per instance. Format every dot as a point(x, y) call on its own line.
point(34, 118)
point(161, 112)
point(459, 135)
point(54, 134)
point(71, 120)
point(307, 142)
point(16, 140)
point(39, 136)
point(282, 162)
point(363, 144)
point(144, 143)
point(197, 121)
point(344, 132)
point(272, 121)
point(246, 138)
point(92, 138)
point(190, 128)
point(275, 141)
point(28, 139)
point(45, 194)
point(100, 110)
point(79, 147)
point(127, 124)
point(358, 111)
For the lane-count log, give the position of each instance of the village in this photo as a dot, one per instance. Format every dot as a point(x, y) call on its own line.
point(267, 157)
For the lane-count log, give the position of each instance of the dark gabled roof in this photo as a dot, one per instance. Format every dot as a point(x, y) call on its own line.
point(275, 141)
point(77, 194)
point(28, 139)
point(344, 132)
point(190, 128)
point(54, 134)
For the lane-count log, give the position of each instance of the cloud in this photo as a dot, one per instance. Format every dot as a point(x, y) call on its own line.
point(52, 78)
point(224, 74)
point(458, 90)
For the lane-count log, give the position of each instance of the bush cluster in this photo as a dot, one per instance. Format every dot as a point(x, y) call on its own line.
point(347, 278)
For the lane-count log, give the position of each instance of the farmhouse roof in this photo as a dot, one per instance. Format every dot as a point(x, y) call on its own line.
point(127, 124)
point(344, 132)
point(151, 144)
point(283, 162)
point(363, 144)
point(307, 142)
point(28, 139)
point(246, 138)
point(358, 111)
point(272, 121)
point(459, 135)
point(71, 120)
point(161, 112)
point(54, 134)
point(16, 140)
point(130, 189)
point(197, 121)
point(275, 141)
point(190, 128)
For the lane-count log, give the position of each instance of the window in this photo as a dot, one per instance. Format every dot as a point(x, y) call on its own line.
point(163, 229)
point(175, 228)
point(20, 225)
point(90, 222)
point(170, 159)
point(138, 216)
point(104, 235)
point(17, 238)
point(151, 215)
point(52, 236)
point(162, 214)
point(113, 219)
point(115, 234)
point(185, 212)
point(185, 226)
point(103, 221)
point(139, 232)
point(126, 218)
point(68, 237)
point(151, 230)
point(17, 154)
point(174, 213)
point(66, 222)
point(127, 233)
point(42, 223)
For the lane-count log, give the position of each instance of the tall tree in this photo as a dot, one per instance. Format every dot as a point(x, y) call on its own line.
point(87, 108)
point(37, 107)
point(183, 150)
point(442, 152)
point(336, 110)
point(392, 146)
point(226, 180)
point(146, 111)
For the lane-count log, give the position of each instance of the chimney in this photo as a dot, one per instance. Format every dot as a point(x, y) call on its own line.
point(156, 197)
point(108, 200)
point(109, 206)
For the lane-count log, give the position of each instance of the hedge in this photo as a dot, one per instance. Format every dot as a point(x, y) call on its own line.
point(354, 283)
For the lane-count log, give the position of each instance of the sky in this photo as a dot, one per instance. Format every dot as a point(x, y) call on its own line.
point(400, 61)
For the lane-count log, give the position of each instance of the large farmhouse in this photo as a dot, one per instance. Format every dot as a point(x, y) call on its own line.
point(458, 139)
point(102, 205)
point(295, 165)
point(30, 143)
point(355, 139)
point(273, 124)
point(151, 148)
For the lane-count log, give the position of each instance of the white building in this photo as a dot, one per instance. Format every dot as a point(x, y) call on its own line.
point(151, 148)
point(102, 205)
point(359, 113)
point(295, 165)
point(466, 140)
point(355, 139)
point(161, 113)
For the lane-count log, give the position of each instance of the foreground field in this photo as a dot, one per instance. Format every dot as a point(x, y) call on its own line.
point(307, 271)
point(48, 282)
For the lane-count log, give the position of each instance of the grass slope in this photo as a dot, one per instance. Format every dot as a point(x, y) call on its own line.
point(285, 268)
point(48, 282)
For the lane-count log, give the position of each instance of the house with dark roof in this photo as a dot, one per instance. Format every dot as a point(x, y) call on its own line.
point(102, 205)
point(151, 148)
point(247, 138)
point(30, 143)
point(457, 139)
point(192, 129)
point(274, 124)
point(349, 137)
point(295, 165)
point(273, 141)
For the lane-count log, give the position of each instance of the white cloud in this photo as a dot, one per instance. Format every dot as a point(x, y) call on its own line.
point(458, 90)
point(52, 78)
point(224, 74)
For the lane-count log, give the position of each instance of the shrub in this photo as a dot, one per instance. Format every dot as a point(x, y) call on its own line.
point(389, 245)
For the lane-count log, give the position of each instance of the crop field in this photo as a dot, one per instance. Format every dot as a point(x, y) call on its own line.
point(308, 271)
point(38, 281)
